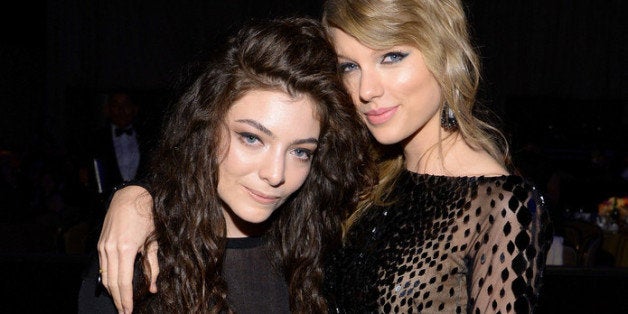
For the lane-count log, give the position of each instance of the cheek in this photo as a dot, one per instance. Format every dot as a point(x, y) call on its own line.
point(223, 146)
point(297, 176)
point(406, 81)
point(232, 163)
point(352, 87)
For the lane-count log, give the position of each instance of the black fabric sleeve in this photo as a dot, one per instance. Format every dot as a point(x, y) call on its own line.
point(93, 297)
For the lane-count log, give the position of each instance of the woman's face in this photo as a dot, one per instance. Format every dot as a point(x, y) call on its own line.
point(271, 138)
point(392, 89)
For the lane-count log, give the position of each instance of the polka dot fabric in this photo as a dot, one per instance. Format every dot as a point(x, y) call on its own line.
point(446, 245)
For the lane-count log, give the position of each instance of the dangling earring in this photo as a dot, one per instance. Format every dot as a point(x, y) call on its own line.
point(448, 119)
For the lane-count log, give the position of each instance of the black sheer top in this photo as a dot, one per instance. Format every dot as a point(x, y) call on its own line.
point(254, 286)
point(446, 244)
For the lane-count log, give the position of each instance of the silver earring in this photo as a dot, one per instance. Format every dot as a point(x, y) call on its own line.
point(448, 119)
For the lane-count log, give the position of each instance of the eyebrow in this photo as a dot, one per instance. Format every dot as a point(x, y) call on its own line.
point(268, 132)
point(340, 56)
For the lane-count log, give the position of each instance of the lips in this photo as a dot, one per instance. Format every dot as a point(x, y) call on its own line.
point(261, 197)
point(381, 115)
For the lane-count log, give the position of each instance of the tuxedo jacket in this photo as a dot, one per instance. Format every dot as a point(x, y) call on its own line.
point(103, 152)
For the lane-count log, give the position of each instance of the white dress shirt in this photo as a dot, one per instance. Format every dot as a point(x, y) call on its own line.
point(127, 153)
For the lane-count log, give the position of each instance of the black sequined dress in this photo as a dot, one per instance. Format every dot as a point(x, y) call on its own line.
point(446, 245)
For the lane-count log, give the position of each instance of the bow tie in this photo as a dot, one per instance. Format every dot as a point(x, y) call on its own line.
point(128, 131)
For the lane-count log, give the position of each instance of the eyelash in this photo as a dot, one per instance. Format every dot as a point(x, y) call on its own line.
point(346, 67)
point(245, 137)
point(298, 152)
point(394, 54)
point(308, 154)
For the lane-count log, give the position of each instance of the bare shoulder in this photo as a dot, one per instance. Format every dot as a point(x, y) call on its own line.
point(466, 161)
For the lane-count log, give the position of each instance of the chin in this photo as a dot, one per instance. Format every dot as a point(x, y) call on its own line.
point(257, 218)
point(386, 139)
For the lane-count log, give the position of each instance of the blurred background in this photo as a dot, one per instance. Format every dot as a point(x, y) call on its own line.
point(555, 71)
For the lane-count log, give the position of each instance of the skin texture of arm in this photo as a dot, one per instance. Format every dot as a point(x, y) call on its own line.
point(127, 225)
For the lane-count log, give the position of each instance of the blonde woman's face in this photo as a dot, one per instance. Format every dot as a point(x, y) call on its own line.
point(392, 89)
point(272, 138)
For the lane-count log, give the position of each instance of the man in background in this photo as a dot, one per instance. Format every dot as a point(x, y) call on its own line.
point(118, 153)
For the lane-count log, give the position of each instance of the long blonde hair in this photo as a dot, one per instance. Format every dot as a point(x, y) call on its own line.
point(438, 28)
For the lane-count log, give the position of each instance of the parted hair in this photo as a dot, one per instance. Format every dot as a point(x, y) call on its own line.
point(290, 55)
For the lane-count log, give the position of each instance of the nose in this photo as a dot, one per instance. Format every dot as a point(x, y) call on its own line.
point(273, 169)
point(370, 86)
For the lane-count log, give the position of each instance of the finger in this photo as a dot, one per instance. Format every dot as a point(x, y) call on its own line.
point(153, 265)
point(102, 260)
point(112, 278)
point(126, 259)
point(102, 266)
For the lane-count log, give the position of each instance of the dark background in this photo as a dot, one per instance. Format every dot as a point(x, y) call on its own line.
point(550, 67)
point(554, 70)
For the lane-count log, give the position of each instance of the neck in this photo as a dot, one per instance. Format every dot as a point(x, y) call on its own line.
point(454, 157)
point(428, 149)
point(239, 228)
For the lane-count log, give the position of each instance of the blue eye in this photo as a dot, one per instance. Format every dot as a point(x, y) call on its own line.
point(302, 153)
point(249, 138)
point(394, 57)
point(347, 67)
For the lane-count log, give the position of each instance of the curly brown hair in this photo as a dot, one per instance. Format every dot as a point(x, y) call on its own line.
point(291, 55)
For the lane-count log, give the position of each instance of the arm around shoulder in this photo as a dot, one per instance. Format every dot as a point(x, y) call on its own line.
point(127, 225)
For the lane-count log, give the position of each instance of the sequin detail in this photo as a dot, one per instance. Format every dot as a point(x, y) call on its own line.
point(448, 244)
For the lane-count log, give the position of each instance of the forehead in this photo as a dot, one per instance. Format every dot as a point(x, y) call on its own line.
point(346, 44)
point(276, 108)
